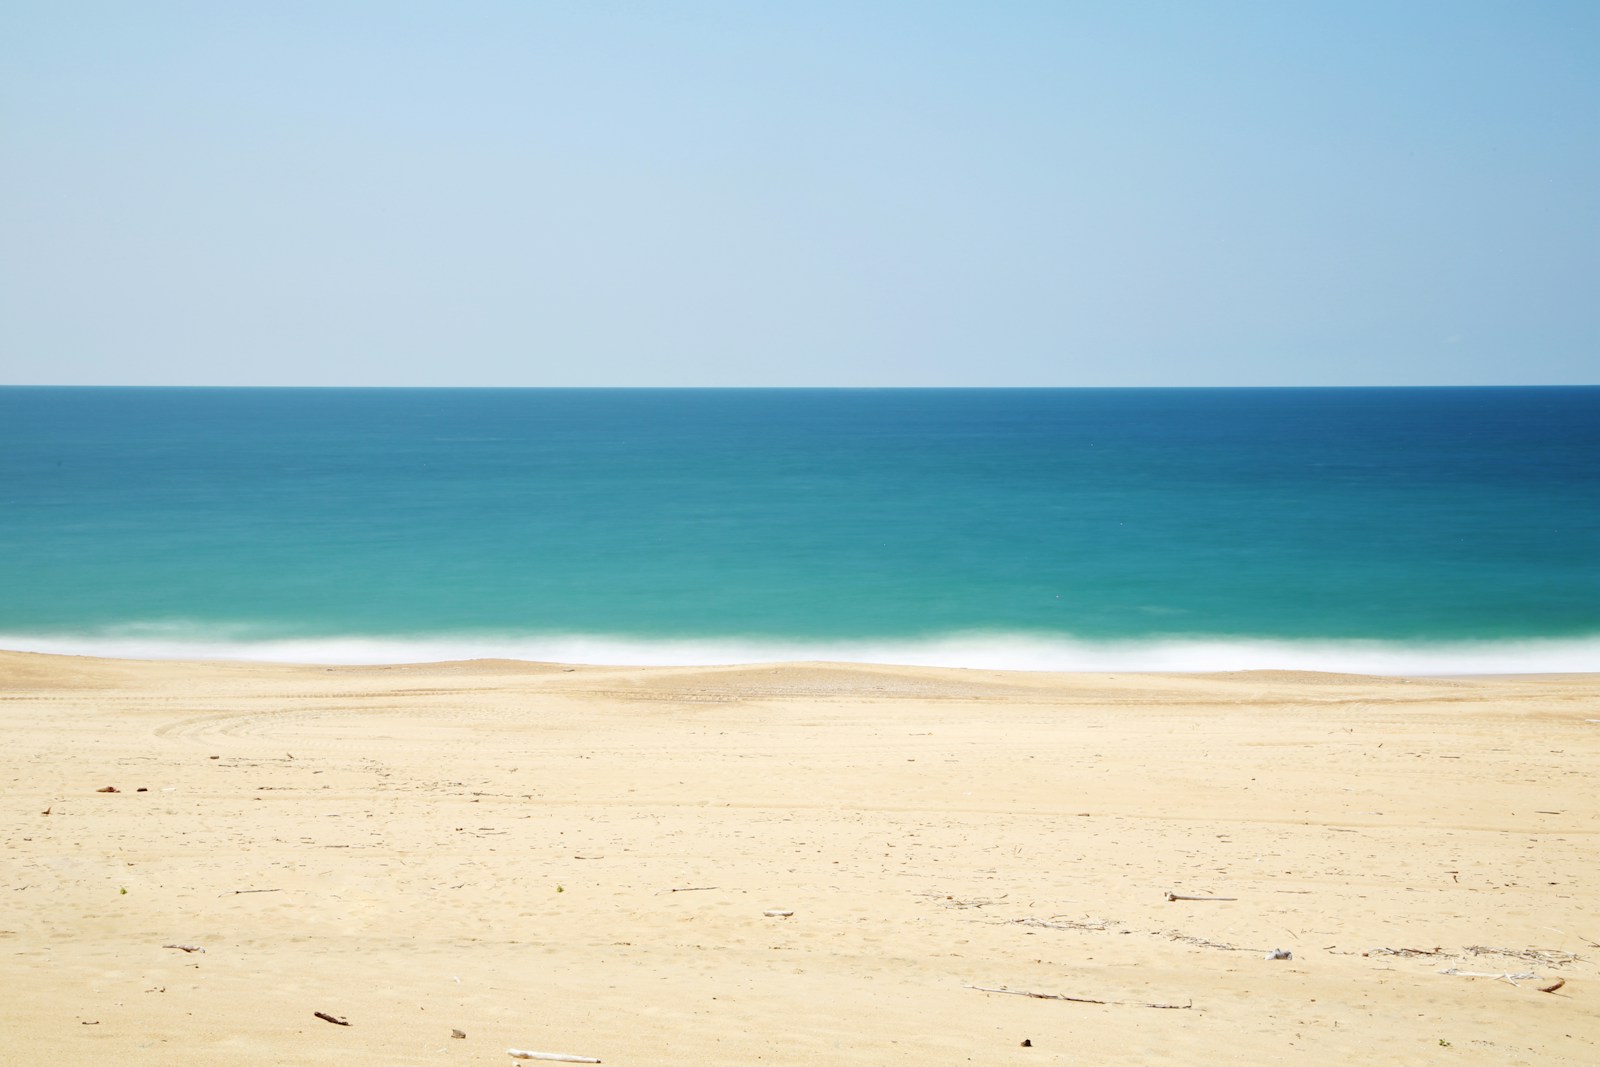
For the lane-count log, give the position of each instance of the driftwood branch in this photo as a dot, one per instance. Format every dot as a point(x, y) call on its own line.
point(325, 1017)
point(1520, 976)
point(559, 1057)
point(1179, 896)
point(185, 948)
point(241, 892)
point(1078, 1000)
point(686, 889)
point(1553, 986)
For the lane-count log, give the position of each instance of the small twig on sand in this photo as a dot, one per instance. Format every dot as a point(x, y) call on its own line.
point(1553, 986)
point(1079, 1000)
point(684, 889)
point(945, 900)
point(559, 1057)
point(239, 892)
point(185, 948)
point(1035, 996)
point(325, 1017)
point(1201, 942)
point(1179, 896)
point(1053, 923)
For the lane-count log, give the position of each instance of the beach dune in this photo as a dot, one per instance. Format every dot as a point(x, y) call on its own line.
point(798, 864)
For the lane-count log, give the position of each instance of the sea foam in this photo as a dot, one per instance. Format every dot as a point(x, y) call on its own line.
point(990, 651)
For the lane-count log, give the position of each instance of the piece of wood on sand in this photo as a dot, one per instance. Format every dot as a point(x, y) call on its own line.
point(558, 1057)
point(1507, 976)
point(1180, 896)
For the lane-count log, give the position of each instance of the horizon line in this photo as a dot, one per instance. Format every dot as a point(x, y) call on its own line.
point(793, 388)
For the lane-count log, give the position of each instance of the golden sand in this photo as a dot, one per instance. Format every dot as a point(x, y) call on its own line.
point(603, 862)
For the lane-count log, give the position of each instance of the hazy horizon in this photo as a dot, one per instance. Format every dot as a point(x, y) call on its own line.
point(789, 388)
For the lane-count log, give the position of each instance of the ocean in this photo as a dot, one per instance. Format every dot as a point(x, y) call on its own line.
point(1421, 530)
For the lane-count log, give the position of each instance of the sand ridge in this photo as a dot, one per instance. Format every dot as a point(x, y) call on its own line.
point(581, 859)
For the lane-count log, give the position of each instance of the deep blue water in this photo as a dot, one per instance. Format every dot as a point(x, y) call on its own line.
point(1064, 528)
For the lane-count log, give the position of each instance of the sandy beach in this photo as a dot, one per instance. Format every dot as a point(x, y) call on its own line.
point(797, 864)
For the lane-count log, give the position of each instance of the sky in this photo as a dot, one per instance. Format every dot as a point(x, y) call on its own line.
point(483, 193)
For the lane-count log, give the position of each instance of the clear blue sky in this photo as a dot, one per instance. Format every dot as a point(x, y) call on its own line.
point(817, 193)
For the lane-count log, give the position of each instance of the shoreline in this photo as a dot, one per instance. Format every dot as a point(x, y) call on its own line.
point(1023, 652)
point(584, 858)
point(503, 663)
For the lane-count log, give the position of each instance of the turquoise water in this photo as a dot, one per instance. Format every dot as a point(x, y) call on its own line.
point(1349, 528)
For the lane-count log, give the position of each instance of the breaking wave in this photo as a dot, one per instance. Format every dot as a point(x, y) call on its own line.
point(991, 651)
